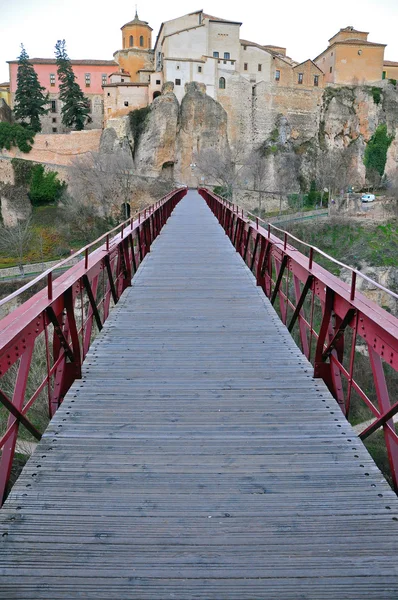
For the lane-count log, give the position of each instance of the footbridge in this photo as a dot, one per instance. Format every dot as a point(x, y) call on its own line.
point(198, 366)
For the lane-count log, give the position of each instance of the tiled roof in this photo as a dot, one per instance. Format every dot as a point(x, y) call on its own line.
point(390, 63)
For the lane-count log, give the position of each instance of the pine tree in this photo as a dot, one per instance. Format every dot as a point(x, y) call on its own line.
point(30, 98)
point(75, 109)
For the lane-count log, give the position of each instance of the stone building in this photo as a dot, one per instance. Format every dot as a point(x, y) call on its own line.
point(351, 59)
point(5, 92)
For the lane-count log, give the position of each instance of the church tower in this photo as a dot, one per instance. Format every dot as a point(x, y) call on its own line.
point(136, 55)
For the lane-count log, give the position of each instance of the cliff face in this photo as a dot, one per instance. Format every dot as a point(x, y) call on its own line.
point(304, 125)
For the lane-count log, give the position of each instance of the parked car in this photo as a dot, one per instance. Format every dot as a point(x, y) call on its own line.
point(368, 198)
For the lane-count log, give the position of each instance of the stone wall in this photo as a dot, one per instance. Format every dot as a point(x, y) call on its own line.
point(6, 171)
point(58, 149)
point(5, 112)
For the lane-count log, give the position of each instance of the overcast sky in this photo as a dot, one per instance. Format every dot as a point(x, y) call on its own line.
point(91, 28)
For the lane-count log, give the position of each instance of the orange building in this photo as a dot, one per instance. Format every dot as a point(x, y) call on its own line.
point(351, 59)
point(136, 56)
point(390, 70)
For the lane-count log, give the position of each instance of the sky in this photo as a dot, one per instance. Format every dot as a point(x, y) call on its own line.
point(91, 28)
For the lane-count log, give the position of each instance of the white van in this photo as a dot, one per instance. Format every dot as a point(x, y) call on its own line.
point(368, 198)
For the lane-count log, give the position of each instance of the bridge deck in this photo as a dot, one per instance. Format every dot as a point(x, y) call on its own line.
point(198, 458)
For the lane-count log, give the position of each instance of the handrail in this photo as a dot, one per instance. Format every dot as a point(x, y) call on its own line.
point(327, 256)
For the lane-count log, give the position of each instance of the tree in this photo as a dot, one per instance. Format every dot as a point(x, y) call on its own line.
point(30, 98)
point(75, 109)
point(256, 168)
point(334, 170)
point(105, 181)
point(44, 187)
point(375, 157)
point(287, 174)
point(14, 241)
point(222, 167)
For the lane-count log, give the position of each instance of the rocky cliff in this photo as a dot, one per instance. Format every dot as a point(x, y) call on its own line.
point(290, 129)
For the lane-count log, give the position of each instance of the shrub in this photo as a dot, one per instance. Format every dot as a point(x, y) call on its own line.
point(22, 171)
point(376, 150)
point(223, 191)
point(137, 123)
point(376, 93)
point(44, 187)
point(15, 135)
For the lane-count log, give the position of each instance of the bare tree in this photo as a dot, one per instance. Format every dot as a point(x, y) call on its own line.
point(287, 172)
point(104, 180)
point(14, 241)
point(333, 171)
point(256, 169)
point(222, 167)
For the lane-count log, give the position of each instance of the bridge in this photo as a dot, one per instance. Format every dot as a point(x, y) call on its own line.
point(195, 451)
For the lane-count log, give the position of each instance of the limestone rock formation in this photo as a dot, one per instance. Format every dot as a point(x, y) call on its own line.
point(156, 149)
point(385, 276)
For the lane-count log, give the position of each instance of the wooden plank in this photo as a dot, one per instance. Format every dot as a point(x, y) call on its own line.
point(197, 457)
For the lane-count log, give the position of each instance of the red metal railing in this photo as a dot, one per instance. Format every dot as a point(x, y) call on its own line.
point(59, 322)
point(337, 326)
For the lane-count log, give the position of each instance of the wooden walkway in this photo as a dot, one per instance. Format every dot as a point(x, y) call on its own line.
point(198, 458)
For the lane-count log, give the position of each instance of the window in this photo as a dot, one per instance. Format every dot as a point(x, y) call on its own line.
point(53, 106)
point(300, 78)
point(331, 69)
point(244, 47)
point(158, 82)
point(260, 67)
point(108, 94)
point(216, 54)
point(316, 80)
point(141, 40)
point(199, 69)
point(87, 79)
point(227, 55)
point(55, 130)
point(126, 103)
point(52, 79)
point(277, 75)
point(54, 119)
point(124, 42)
point(245, 66)
point(104, 77)
point(221, 83)
point(178, 67)
point(122, 80)
point(332, 54)
point(178, 81)
point(131, 41)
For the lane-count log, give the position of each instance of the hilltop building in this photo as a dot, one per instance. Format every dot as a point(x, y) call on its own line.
point(209, 50)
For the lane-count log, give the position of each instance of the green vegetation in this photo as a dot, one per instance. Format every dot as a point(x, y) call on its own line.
point(223, 191)
point(14, 135)
point(392, 81)
point(22, 171)
point(75, 106)
point(376, 150)
point(30, 98)
point(351, 242)
point(44, 187)
point(376, 94)
point(137, 123)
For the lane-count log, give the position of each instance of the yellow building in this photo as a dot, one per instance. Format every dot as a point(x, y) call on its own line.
point(390, 70)
point(351, 59)
point(136, 56)
point(5, 92)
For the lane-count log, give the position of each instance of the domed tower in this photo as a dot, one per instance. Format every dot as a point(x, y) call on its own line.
point(136, 56)
point(136, 34)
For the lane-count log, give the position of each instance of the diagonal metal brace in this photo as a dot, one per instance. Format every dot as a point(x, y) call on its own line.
point(60, 334)
point(110, 278)
point(93, 305)
point(279, 280)
point(306, 288)
point(19, 416)
point(347, 319)
point(254, 251)
point(379, 422)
